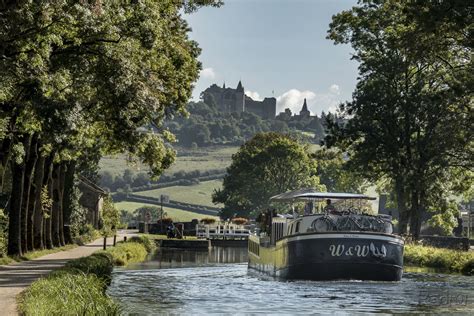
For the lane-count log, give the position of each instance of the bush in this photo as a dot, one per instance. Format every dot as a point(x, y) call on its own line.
point(145, 241)
point(101, 264)
point(86, 234)
point(129, 252)
point(66, 292)
point(446, 259)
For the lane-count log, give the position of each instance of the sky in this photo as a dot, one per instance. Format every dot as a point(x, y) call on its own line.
point(277, 48)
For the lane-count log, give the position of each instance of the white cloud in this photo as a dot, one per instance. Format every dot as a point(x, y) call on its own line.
point(254, 95)
point(208, 73)
point(293, 99)
point(334, 89)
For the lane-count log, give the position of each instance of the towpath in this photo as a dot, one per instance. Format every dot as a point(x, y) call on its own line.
point(14, 278)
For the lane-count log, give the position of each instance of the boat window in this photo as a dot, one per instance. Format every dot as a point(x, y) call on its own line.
point(297, 228)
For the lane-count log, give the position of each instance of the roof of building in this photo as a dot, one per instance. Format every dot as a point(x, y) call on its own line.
point(305, 106)
point(240, 88)
point(311, 194)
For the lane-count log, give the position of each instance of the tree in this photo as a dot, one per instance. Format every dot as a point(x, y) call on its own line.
point(78, 79)
point(154, 211)
point(266, 165)
point(333, 172)
point(414, 75)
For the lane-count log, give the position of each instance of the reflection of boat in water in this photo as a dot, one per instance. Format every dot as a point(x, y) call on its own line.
point(338, 244)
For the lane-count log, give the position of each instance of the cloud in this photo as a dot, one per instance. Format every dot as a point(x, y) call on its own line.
point(326, 101)
point(254, 95)
point(334, 89)
point(208, 73)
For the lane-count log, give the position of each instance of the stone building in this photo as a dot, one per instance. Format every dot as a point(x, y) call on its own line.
point(92, 199)
point(234, 100)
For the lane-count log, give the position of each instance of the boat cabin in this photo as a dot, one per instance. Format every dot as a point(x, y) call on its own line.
point(323, 212)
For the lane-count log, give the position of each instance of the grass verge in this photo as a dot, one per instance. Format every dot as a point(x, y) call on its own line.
point(439, 258)
point(79, 287)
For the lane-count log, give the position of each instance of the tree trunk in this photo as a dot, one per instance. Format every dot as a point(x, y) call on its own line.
point(56, 207)
point(402, 208)
point(67, 199)
point(48, 182)
point(415, 220)
point(5, 155)
point(14, 225)
point(62, 176)
point(38, 210)
point(30, 156)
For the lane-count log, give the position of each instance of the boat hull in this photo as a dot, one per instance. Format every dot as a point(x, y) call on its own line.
point(331, 256)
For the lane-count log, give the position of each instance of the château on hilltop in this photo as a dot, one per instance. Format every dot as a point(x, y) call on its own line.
point(234, 100)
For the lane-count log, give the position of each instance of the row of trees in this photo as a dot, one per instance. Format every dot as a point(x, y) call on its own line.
point(411, 118)
point(77, 80)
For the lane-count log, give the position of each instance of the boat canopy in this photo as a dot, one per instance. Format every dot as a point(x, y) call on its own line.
point(311, 194)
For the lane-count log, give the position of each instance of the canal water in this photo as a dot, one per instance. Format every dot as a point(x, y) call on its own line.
point(217, 281)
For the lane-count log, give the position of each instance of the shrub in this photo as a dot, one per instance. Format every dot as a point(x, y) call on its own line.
point(447, 259)
point(101, 264)
point(129, 252)
point(145, 241)
point(66, 292)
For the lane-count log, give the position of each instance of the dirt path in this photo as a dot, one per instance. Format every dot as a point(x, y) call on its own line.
point(16, 277)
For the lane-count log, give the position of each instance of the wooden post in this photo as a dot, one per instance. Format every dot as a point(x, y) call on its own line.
point(105, 243)
point(124, 238)
point(115, 239)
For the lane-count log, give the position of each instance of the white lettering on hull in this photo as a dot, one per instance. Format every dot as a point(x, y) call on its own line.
point(358, 250)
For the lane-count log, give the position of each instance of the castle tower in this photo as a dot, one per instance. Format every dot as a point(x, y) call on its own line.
point(239, 105)
point(304, 111)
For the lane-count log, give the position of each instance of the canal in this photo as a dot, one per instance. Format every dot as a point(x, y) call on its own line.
point(217, 281)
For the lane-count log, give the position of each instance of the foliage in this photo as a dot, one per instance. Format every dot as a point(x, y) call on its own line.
point(414, 76)
point(78, 79)
point(85, 234)
point(128, 252)
point(3, 233)
point(67, 292)
point(447, 259)
point(100, 264)
point(207, 126)
point(149, 244)
point(266, 165)
point(110, 217)
point(446, 218)
point(154, 211)
point(334, 174)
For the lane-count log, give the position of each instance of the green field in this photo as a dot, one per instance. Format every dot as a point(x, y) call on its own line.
point(195, 194)
point(175, 214)
point(208, 158)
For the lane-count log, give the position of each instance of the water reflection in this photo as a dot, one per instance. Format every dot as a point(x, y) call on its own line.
point(218, 282)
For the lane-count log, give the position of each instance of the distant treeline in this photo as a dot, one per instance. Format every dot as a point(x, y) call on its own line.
point(135, 182)
point(207, 126)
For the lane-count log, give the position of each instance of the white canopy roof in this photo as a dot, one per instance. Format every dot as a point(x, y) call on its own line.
point(311, 194)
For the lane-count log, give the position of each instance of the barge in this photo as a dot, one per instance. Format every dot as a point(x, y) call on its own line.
point(340, 242)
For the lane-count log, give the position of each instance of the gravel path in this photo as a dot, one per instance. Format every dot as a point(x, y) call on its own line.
point(14, 278)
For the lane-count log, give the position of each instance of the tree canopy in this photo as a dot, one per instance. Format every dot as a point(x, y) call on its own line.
point(410, 120)
point(77, 81)
point(266, 165)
